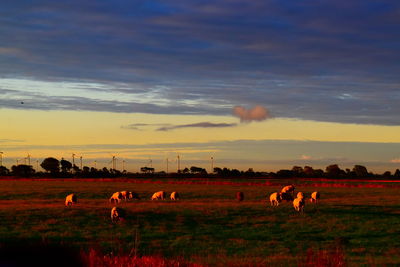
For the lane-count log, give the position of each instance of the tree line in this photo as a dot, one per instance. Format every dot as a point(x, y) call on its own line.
point(63, 168)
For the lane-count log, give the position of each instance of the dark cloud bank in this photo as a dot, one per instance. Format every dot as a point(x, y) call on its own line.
point(325, 61)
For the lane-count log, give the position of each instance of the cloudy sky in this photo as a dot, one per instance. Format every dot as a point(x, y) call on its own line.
point(261, 84)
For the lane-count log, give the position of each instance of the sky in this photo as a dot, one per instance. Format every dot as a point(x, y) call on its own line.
point(253, 84)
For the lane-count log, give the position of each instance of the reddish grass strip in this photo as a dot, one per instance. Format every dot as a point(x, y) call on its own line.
point(334, 257)
point(95, 259)
point(346, 183)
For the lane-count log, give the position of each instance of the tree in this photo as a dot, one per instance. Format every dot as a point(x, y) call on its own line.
point(284, 173)
point(250, 173)
point(318, 173)
point(387, 174)
point(147, 170)
point(218, 171)
point(195, 170)
point(22, 170)
point(333, 171)
point(51, 165)
point(66, 166)
point(297, 171)
point(360, 171)
point(4, 171)
point(308, 171)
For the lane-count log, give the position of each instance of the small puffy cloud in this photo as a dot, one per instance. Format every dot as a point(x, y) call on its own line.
point(395, 160)
point(197, 125)
point(305, 157)
point(257, 113)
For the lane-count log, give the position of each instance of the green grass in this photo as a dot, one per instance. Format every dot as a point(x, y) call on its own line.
point(208, 221)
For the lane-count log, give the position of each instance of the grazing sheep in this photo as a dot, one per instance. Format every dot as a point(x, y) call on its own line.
point(125, 195)
point(239, 196)
point(70, 200)
point(158, 195)
point(174, 196)
point(315, 197)
point(300, 195)
point(116, 197)
point(117, 214)
point(275, 199)
point(286, 196)
point(288, 189)
point(299, 204)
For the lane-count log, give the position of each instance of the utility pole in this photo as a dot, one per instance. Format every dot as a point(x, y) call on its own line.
point(167, 165)
point(73, 160)
point(81, 163)
point(37, 165)
point(212, 164)
point(29, 159)
point(123, 165)
point(95, 164)
point(1, 158)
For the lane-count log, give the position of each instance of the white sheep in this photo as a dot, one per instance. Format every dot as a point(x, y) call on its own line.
point(125, 195)
point(288, 189)
point(275, 199)
point(117, 214)
point(299, 204)
point(158, 195)
point(174, 196)
point(315, 197)
point(70, 200)
point(300, 195)
point(116, 197)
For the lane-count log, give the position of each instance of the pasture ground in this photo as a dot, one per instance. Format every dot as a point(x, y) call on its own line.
point(358, 226)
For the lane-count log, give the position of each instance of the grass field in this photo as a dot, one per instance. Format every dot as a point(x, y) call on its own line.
point(351, 225)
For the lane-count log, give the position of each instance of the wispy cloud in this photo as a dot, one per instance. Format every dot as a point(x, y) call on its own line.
point(143, 126)
point(197, 125)
point(11, 141)
point(170, 127)
point(395, 160)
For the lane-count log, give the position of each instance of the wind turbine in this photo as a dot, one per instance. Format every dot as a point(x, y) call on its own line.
point(113, 161)
point(73, 160)
point(179, 163)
